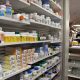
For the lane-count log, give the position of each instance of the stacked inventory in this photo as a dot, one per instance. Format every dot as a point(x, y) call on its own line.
point(30, 39)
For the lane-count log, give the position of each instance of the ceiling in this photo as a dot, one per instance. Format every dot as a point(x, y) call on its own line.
point(75, 11)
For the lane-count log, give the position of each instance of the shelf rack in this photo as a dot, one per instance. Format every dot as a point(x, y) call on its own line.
point(22, 43)
point(74, 56)
point(76, 65)
point(10, 21)
point(45, 25)
point(24, 6)
point(31, 7)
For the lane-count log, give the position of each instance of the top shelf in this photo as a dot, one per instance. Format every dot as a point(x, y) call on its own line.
point(18, 4)
point(40, 10)
point(21, 6)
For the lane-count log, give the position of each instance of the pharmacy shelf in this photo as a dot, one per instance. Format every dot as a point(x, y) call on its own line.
point(22, 5)
point(76, 65)
point(75, 47)
point(74, 76)
point(74, 56)
point(42, 24)
point(10, 21)
point(55, 6)
point(19, 4)
point(16, 72)
point(22, 43)
point(40, 10)
point(39, 74)
point(40, 59)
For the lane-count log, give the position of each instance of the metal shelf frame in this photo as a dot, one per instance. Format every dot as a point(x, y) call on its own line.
point(22, 6)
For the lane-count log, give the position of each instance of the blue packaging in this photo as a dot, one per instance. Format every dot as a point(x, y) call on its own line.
point(2, 10)
point(2, 13)
point(8, 10)
point(45, 1)
point(45, 48)
point(37, 50)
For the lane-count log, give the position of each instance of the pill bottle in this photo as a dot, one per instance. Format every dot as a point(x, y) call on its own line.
point(18, 37)
point(2, 10)
point(34, 33)
point(8, 9)
point(23, 37)
point(27, 36)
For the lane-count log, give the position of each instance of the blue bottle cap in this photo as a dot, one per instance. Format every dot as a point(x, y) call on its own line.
point(45, 1)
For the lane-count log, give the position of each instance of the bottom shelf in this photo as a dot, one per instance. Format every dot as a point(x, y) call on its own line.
point(74, 76)
point(35, 77)
point(15, 73)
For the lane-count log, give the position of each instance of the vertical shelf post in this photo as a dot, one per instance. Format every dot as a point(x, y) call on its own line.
point(65, 46)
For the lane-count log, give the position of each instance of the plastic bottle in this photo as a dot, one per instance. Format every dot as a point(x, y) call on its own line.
point(8, 9)
point(2, 10)
point(46, 4)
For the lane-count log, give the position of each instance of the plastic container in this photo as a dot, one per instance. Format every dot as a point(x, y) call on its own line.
point(23, 37)
point(9, 37)
point(2, 10)
point(8, 9)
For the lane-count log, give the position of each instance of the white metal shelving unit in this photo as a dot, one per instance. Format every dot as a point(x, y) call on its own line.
point(22, 6)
